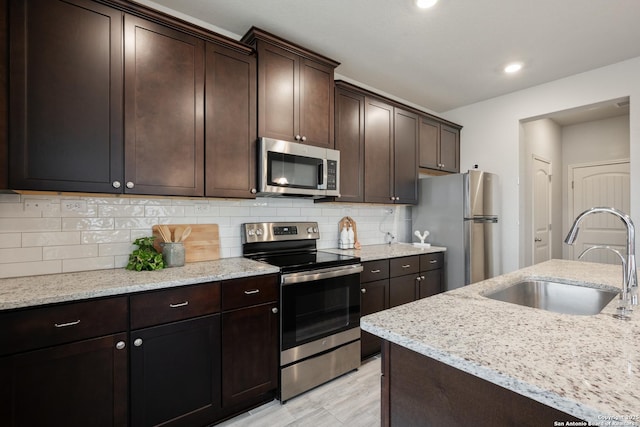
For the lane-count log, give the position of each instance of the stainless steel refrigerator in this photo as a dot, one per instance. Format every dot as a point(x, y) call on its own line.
point(460, 211)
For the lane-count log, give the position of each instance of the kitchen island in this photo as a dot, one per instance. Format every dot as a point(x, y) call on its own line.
point(586, 367)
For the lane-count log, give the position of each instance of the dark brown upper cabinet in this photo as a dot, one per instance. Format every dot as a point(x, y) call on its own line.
point(65, 96)
point(391, 136)
point(118, 104)
point(405, 140)
point(349, 132)
point(378, 152)
point(164, 110)
point(439, 146)
point(295, 91)
point(230, 166)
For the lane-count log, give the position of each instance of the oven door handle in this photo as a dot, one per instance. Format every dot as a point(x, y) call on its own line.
point(325, 273)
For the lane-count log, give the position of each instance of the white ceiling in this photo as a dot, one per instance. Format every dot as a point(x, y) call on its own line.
point(445, 57)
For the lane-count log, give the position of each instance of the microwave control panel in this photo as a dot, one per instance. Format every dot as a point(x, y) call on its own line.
point(332, 175)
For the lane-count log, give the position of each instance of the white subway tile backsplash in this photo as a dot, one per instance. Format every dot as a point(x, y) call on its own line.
point(54, 240)
point(128, 223)
point(23, 225)
point(69, 224)
point(107, 249)
point(10, 240)
point(107, 211)
point(20, 255)
point(113, 236)
point(165, 211)
point(51, 238)
point(20, 269)
point(68, 252)
point(85, 264)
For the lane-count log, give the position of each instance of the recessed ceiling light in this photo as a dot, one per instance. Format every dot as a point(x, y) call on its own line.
point(426, 4)
point(513, 67)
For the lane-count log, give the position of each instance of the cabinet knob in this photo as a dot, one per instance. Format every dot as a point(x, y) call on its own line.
point(137, 342)
point(419, 279)
point(304, 138)
point(363, 290)
point(422, 277)
point(130, 184)
point(275, 310)
point(120, 345)
point(116, 184)
point(297, 137)
point(254, 191)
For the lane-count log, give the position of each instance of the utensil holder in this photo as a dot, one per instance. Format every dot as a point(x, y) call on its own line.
point(173, 254)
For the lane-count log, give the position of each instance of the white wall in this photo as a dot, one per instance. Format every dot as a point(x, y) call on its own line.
point(491, 134)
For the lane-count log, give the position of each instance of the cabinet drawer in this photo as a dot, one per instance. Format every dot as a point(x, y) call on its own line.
point(431, 261)
point(404, 265)
point(249, 291)
point(43, 327)
point(375, 270)
point(154, 308)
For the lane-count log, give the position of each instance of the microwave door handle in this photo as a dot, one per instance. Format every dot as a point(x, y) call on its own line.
point(322, 175)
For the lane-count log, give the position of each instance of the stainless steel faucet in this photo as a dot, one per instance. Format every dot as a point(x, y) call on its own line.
point(629, 293)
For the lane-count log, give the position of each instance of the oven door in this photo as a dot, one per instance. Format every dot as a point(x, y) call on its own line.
point(319, 303)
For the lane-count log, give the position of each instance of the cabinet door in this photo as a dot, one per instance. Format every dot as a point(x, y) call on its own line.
point(79, 384)
point(378, 152)
point(374, 298)
point(65, 96)
point(430, 283)
point(450, 148)
point(402, 290)
point(405, 157)
point(429, 146)
point(316, 104)
point(349, 128)
point(230, 168)
point(249, 353)
point(175, 373)
point(278, 100)
point(164, 110)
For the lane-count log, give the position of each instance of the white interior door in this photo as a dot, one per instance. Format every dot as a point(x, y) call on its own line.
point(594, 185)
point(541, 210)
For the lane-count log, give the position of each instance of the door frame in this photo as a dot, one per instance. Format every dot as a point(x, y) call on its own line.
point(570, 205)
point(535, 157)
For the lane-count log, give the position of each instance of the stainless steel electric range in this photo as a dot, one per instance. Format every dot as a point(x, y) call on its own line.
point(319, 303)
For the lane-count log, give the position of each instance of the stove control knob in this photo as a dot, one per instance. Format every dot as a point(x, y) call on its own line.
point(259, 232)
point(310, 230)
point(315, 229)
point(251, 232)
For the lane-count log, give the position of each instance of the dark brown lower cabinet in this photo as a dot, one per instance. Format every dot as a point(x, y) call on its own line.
point(249, 355)
point(175, 373)
point(374, 298)
point(420, 391)
point(83, 383)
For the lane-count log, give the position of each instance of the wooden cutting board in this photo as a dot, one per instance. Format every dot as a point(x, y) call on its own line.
point(202, 245)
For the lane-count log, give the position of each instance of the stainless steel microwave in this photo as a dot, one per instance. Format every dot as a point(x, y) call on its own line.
point(292, 169)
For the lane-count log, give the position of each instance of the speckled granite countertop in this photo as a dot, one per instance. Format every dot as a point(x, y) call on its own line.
point(587, 366)
point(38, 290)
point(396, 250)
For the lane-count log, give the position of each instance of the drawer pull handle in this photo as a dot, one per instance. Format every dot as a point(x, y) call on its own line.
point(64, 325)
point(406, 266)
point(433, 261)
point(180, 304)
point(375, 271)
point(252, 291)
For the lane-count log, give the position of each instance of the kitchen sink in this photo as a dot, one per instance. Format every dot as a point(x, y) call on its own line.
point(556, 296)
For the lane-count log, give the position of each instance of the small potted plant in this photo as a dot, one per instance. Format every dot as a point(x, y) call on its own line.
point(145, 257)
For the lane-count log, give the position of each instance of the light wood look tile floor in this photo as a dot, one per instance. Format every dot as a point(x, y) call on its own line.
point(352, 400)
